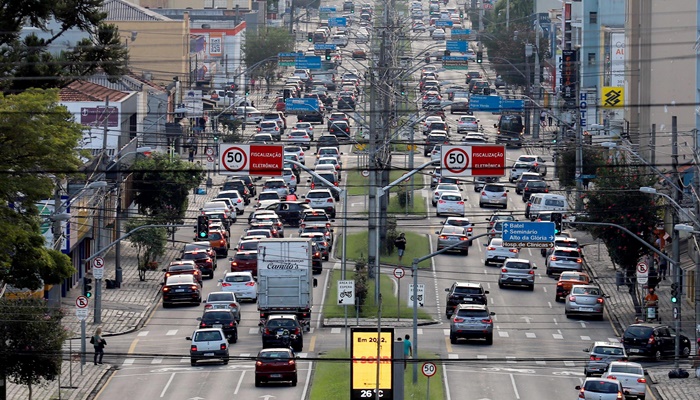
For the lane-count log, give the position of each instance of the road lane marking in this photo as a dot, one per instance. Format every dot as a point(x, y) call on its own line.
point(448, 345)
point(132, 347)
point(549, 303)
point(446, 332)
point(302, 355)
point(503, 334)
point(541, 362)
point(312, 343)
point(244, 355)
point(185, 359)
point(515, 388)
point(555, 321)
point(323, 295)
point(530, 252)
point(308, 380)
point(143, 333)
point(583, 324)
point(129, 361)
point(253, 331)
point(157, 360)
point(544, 288)
point(171, 332)
point(240, 381)
point(335, 330)
point(482, 356)
point(510, 360)
point(569, 364)
point(558, 336)
point(587, 338)
point(530, 335)
point(613, 340)
point(167, 384)
point(419, 331)
point(453, 356)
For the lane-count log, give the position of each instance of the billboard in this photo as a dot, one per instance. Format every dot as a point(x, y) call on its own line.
point(569, 74)
point(617, 59)
point(365, 344)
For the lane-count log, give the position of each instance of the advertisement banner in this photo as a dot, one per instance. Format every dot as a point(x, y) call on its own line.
point(365, 345)
point(569, 74)
point(617, 59)
point(613, 96)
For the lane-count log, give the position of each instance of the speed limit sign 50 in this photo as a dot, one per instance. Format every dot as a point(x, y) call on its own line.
point(234, 159)
point(251, 159)
point(455, 160)
point(429, 369)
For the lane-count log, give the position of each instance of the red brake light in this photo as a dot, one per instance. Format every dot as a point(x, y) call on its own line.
point(459, 319)
point(514, 250)
point(486, 321)
point(193, 348)
point(491, 248)
point(504, 270)
point(223, 346)
point(651, 340)
point(250, 284)
point(208, 306)
point(232, 305)
point(443, 237)
point(601, 300)
point(572, 298)
point(553, 258)
point(483, 193)
point(594, 358)
point(225, 284)
point(578, 260)
point(460, 203)
point(641, 380)
point(166, 289)
point(531, 272)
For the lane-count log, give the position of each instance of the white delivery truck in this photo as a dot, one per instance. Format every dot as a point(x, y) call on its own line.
point(285, 282)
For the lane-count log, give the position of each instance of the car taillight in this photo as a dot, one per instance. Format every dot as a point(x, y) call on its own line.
point(167, 274)
point(202, 324)
point(317, 254)
point(193, 348)
point(232, 305)
point(224, 284)
point(437, 193)
point(463, 238)
point(581, 394)
point(443, 237)
point(513, 250)
point(441, 201)
point(486, 321)
point(258, 363)
point(578, 260)
point(166, 289)
point(552, 258)
point(222, 346)
point(546, 190)
point(313, 185)
point(291, 362)
point(297, 331)
point(483, 193)
point(491, 248)
point(572, 298)
point(469, 229)
point(231, 323)
point(458, 319)
point(505, 194)
point(529, 204)
point(239, 201)
point(504, 270)
point(560, 284)
point(531, 272)
point(194, 287)
point(651, 340)
point(250, 284)
point(461, 203)
point(208, 306)
point(620, 396)
point(308, 200)
point(641, 380)
point(600, 300)
point(527, 189)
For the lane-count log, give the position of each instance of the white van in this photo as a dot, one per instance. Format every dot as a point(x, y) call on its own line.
point(545, 202)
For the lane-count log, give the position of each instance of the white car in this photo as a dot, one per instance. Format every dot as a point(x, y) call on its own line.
point(471, 55)
point(295, 150)
point(289, 178)
point(450, 203)
point(538, 162)
point(223, 300)
point(631, 376)
point(436, 155)
point(331, 161)
point(305, 126)
point(474, 138)
point(266, 198)
point(461, 221)
point(328, 152)
point(600, 389)
point(517, 169)
point(438, 34)
point(444, 187)
point(496, 253)
point(299, 137)
point(241, 284)
point(235, 197)
point(428, 121)
point(494, 194)
point(467, 123)
point(207, 344)
point(277, 184)
point(321, 199)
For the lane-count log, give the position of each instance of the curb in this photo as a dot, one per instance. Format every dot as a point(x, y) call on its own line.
point(424, 322)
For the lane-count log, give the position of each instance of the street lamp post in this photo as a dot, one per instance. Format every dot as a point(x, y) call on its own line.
point(690, 229)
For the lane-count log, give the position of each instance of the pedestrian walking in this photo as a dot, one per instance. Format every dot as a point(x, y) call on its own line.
point(99, 343)
point(407, 350)
point(190, 154)
point(663, 267)
point(549, 117)
point(543, 116)
point(400, 244)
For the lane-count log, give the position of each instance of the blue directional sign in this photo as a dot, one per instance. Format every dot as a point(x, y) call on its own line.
point(528, 234)
point(485, 103)
point(455, 62)
point(512, 104)
point(326, 9)
point(443, 23)
point(286, 59)
point(295, 104)
point(338, 21)
point(308, 62)
point(461, 31)
point(324, 46)
point(456, 45)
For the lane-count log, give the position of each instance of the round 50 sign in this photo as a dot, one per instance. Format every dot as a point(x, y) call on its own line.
point(455, 160)
point(487, 160)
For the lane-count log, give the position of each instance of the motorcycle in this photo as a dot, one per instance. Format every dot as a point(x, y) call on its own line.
point(286, 338)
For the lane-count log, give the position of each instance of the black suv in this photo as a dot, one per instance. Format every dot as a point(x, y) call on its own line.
point(275, 325)
point(241, 186)
point(289, 211)
point(464, 293)
point(205, 263)
point(653, 340)
point(532, 187)
point(327, 141)
point(250, 183)
point(224, 319)
point(339, 128)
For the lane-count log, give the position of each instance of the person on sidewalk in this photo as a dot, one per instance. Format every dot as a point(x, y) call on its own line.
point(400, 244)
point(407, 350)
point(663, 267)
point(543, 116)
point(99, 343)
point(190, 154)
point(549, 117)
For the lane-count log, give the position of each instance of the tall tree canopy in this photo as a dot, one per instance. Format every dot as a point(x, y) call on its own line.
point(27, 62)
point(263, 44)
point(39, 141)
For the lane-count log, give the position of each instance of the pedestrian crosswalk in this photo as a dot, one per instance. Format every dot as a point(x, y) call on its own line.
point(490, 361)
point(160, 360)
point(536, 335)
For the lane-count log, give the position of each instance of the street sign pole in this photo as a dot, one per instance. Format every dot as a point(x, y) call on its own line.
point(83, 346)
point(398, 274)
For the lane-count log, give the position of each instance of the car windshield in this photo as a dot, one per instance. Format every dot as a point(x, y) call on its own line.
point(311, 217)
point(572, 277)
point(269, 196)
point(467, 290)
point(318, 195)
point(586, 291)
point(221, 297)
point(207, 336)
point(181, 267)
point(566, 253)
point(443, 188)
point(248, 256)
point(190, 247)
point(458, 222)
point(518, 265)
point(527, 159)
point(251, 245)
point(473, 313)
point(494, 188)
point(537, 184)
point(195, 256)
point(601, 387)
point(275, 355)
point(608, 350)
point(259, 232)
point(451, 197)
point(554, 203)
point(238, 278)
point(217, 315)
point(281, 323)
point(626, 369)
point(274, 185)
point(214, 236)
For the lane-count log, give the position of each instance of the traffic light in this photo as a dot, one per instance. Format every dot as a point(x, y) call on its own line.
point(202, 227)
point(674, 293)
point(403, 90)
point(216, 136)
point(310, 36)
point(556, 218)
point(87, 287)
point(328, 54)
point(461, 14)
point(247, 90)
point(479, 57)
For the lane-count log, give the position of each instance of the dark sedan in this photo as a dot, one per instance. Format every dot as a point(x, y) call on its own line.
point(181, 289)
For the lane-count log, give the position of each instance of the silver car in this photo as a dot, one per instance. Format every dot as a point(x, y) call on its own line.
point(496, 253)
point(443, 187)
point(450, 235)
point(630, 375)
point(585, 300)
point(494, 194)
point(600, 389)
point(518, 169)
point(517, 272)
point(563, 259)
point(471, 321)
point(223, 300)
point(601, 354)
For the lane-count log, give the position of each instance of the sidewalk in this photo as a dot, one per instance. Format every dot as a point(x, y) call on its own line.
point(621, 313)
point(124, 310)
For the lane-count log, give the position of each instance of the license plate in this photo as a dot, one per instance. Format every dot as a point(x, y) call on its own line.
point(586, 309)
point(208, 354)
point(220, 306)
point(493, 201)
point(517, 280)
point(468, 299)
point(275, 375)
point(217, 325)
point(634, 350)
point(179, 290)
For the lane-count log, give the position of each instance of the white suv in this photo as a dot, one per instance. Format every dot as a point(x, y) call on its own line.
point(207, 344)
point(321, 199)
point(496, 253)
point(235, 197)
point(242, 284)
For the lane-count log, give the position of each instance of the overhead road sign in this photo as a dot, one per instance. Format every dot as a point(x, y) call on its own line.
point(485, 103)
point(528, 234)
point(338, 21)
point(325, 46)
point(308, 62)
point(326, 9)
point(251, 159)
point(478, 160)
point(512, 105)
point(455, 62)
point(294, 104)
point(443, 23)
point(456, 45)
point(287, 59)
point(461, 32)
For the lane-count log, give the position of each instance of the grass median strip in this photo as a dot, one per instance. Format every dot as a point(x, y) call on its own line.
point(417, 246)
point(358, 185)
point(332, 378)
point(369, 310)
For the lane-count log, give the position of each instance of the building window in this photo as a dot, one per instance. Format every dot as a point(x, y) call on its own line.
point(591, 58)
point(593, 17)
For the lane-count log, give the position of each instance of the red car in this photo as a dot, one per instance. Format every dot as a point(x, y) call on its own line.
point(280, 105)
point(202, 260)
point(246, 260)
point(187, 267)
point(275, 364)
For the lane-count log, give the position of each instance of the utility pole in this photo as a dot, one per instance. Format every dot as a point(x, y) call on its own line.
point(373, 233)
point(696, 179)
point(675, 245)
point(581, 96)
point(538, 31)
point(508, 15)
point(528, 94)
point(101, 219)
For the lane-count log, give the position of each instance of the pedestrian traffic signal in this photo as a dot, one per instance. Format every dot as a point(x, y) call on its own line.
point(674, 293)
point(310, 36)
point(202, 227)
point(328, 54)
point(87, 287)
point(479, 57)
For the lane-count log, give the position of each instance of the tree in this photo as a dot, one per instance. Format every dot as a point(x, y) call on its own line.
point(263, 45)
point(28, 62)
point(31, 341)
point(161, 186)
point(592, 160)
point(39, 145)
point(617, 200)
point(149, 242)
